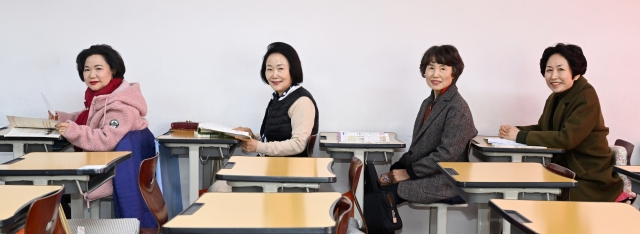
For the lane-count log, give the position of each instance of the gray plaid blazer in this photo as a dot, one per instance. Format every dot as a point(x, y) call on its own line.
point(443, 137)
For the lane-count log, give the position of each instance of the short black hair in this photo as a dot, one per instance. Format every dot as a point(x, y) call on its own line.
point(295, 68)
point(111, 56)
point(444, 54)
point(572, 53)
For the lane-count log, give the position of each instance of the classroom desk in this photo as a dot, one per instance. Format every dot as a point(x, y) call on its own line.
point(633, 173)
point(257, 213)
point(88, 169)
point(21, 145)
point(566, 216)
point(367, 152)
point(482, 150)
point(180, 177)
point(478, 182)
point(15, 201)
point(268, 174)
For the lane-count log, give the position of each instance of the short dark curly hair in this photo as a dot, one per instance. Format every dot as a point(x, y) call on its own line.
point(111, 56)
point(295, 67)
point(572, 53)
point(444, 54)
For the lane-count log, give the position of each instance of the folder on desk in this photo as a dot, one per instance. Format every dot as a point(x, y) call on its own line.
point(32, 127)
point(213, 128)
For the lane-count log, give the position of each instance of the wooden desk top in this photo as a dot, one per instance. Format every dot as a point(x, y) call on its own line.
point(568, 217)
point(330, 139)
point(278, 169)
point(481, 144)
point(63, 163)
point(15, 200)
point(191, 137)
point(503, 175)
point(630, 171)
point(257, 213)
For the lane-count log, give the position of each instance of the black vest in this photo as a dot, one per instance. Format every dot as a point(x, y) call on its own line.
point(276, 125)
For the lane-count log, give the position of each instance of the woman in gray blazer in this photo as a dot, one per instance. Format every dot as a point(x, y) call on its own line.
point(441, 133)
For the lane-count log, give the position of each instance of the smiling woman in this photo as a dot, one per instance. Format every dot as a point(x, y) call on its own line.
point(292, 114)
point(441, 133)
point(572, 120)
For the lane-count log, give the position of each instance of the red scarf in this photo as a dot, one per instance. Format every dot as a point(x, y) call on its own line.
point(88, 99)
point(431, 105)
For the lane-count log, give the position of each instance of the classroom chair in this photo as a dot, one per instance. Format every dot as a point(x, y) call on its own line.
point(628, 146)
point(43, 214)
point(621, 157)
point(310, 144)
point(355, 168)
point(341, 214)
point(565, 172)
point(152, 196)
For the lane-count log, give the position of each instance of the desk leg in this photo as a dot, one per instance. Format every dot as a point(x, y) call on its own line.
point(94, 211)
point(516, 158)
point(194, 154)
point(359, 153)
point(18, 150)
point(483, 218)
point(509, 195)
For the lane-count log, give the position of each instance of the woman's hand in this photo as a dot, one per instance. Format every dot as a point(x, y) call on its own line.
point(52, 117)
point(62, 128)
point(508, 132)
point(394, 177)
point(244, 129)
point(249, 145)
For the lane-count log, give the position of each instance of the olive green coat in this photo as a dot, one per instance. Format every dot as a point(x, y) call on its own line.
point(578, 127)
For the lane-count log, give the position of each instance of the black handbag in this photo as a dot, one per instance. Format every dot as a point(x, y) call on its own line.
point(380, 208)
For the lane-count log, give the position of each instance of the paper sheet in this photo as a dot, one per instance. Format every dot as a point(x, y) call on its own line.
point(32, 132)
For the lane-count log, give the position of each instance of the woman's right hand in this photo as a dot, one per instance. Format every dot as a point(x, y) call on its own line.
point(52, 117)
point(244, 129)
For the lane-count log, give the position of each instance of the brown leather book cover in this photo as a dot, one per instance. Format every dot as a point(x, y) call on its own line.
point(186, 125)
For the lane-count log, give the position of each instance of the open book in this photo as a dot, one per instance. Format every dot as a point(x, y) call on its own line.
point(32, 127)
point(212, 128)
point(363, 137)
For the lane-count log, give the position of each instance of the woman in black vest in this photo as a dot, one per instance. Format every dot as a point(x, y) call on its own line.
point(292, 114)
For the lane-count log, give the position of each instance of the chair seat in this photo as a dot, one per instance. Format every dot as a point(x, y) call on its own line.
point(105, 226)
point(438, 205)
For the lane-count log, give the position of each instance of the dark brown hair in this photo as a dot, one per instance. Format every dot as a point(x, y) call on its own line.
point(444, 54)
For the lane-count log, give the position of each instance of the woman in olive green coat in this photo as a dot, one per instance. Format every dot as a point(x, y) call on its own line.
point(572, 120)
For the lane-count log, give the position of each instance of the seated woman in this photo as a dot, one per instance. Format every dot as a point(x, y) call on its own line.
point(292, 114)
point(441, 133)
point(113, 109)
point(572, 120)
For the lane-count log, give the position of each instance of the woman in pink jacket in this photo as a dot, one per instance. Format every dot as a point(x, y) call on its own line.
point(112, 107)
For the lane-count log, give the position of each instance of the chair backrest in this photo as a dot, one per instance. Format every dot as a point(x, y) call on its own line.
point(628, 146)
point(341, 214)
point(151, 191)
point(355, 169)
point(43, 214)
point(562, 171)
point(310, 144)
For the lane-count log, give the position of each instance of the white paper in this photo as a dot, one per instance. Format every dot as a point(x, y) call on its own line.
point(32, 132)
point(364, 137)
point(92, 167)
point(23, 122)
point(501, 142)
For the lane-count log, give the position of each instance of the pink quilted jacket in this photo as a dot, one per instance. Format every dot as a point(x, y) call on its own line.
point(110, 118)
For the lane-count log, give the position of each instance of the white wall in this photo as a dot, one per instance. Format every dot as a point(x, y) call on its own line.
point(200, 60)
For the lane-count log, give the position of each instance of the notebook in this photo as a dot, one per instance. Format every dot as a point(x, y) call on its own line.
point(32, 127)
point(212, 128)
